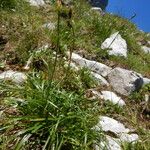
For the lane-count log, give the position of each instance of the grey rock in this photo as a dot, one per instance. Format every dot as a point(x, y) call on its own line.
point(125, 81)
point(109, 96)
point(112, 97)
point(116, 45)
point(109, 144)
point(146, 81)
point(37, 2)
point(115, 143)
point(129, 137)
point(91, 65)
point(14, 76)
point(99, 79)
point(146, 49)
point(108, 124)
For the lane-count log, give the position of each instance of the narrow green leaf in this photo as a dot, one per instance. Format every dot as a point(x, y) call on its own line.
point(22, 142)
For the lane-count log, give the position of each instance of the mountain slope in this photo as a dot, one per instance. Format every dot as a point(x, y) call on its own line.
point(58, 80)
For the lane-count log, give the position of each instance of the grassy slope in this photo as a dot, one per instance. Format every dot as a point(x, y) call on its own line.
point(22, 29)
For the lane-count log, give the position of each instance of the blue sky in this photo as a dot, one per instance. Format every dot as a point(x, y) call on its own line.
point(127, 8)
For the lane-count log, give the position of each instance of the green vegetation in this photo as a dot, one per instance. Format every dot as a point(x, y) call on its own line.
point(11, 4)
point(51, 118)
point(50, 110)
point(90, 30)
point(8, 4)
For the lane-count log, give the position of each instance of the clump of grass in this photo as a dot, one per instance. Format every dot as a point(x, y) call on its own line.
point(52, 118)
point(139, 96)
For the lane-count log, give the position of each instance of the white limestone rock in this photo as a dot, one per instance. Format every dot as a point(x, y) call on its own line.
point(115, 143)
point(109, 124)
point(130, 138)
point(112, 97)
point(37, 2)
point(125, 81)
point(14, 76)
point(109, 96)
point(146, 81)
point(101, 80)
point(116, 45)
point(91, 65)
point(146, 49)
point(109, 144)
